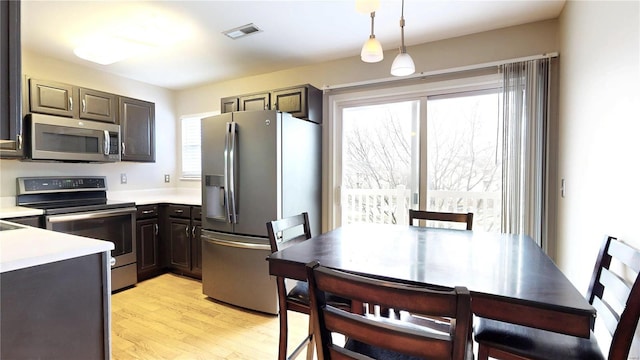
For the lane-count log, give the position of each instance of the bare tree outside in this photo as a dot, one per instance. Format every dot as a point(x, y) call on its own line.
point(377, 155)
point(463, 160)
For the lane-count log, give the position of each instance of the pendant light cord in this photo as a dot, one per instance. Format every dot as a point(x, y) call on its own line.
point(403, 49)
point(373, 14)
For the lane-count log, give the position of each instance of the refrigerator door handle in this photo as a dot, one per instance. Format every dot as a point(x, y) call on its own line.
point(237, 244)
point(232, 174)
point(225, 187)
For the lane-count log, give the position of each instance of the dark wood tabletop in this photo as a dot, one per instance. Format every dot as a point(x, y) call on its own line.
point(510, 278)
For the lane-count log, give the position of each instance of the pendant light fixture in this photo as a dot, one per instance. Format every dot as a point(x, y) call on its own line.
point(403, 63)
point(367, 6)
point(372, 50)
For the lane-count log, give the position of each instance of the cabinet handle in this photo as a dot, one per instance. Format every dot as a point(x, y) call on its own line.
point(186, 230)
point(145, 212)
point(19, 141)
point(179, 211)
point(84, 106)
point(70, 104)
point(156, 226)
point(193, 231)
point(123, 151)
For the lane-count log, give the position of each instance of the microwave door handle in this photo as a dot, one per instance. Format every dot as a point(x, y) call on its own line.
point(226, 171)
point(232, 178)
point(107, 143)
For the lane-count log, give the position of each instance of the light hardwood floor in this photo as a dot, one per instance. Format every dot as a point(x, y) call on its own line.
point(168, 317)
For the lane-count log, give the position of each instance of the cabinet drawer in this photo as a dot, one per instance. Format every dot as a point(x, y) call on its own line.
point(183, 211)
point(147, 211)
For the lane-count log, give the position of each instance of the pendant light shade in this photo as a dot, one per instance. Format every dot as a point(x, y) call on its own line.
point(403, 64)
point(367, 6)
point(372, 50)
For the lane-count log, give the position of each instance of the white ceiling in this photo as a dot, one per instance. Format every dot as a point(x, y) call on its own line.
point(294, 33)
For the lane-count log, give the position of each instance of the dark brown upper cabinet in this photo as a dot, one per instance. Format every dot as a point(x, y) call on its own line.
point(10, 81)
point(254, 102)
point(303, 101)
point(98, 105)
point(137, 130)
point(61, 99)
point(229, 104)
point(52, 98)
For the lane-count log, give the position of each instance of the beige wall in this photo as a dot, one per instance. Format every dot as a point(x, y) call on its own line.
point(139, 175)
point(598, 133)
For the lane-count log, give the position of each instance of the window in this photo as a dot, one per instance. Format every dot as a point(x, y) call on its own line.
point(191, 147)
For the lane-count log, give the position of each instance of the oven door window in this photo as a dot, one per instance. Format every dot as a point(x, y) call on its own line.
point(116, 228)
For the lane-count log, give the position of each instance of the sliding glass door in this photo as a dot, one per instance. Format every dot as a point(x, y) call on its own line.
point(439, 152)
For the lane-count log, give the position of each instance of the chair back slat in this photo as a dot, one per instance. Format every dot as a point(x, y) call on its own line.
point(441, 216)
point(388, 333)
point(282, 231)
point(626, 254)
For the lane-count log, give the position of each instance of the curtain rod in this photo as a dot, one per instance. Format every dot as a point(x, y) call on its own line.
point(441, 72)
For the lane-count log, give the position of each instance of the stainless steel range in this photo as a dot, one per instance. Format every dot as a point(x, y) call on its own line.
point(78, 205)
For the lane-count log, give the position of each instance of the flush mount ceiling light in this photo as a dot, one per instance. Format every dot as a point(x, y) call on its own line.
point(403, 63)
point(242, 31)
point(106, 50)
point(372, 50)
point(137, 34)
point(367, 6)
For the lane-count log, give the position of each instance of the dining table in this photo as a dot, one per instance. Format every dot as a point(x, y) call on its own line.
point(510, 277)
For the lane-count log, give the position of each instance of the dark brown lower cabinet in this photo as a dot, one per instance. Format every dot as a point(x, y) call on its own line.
point(148, 241)
point(184, 252)
point(58, 310)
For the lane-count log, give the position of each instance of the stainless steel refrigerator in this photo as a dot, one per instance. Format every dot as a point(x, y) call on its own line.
point(257, 166)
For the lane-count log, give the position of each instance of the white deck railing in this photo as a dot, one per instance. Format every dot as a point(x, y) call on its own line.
point(390, 206)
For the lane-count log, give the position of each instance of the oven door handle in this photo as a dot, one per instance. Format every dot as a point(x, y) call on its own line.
point(89, 215)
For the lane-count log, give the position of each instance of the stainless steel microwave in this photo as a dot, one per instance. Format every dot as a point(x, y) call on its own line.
point(67, 139)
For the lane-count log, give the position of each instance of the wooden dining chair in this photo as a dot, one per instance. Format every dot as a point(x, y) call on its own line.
point(283, 233)
point(376, 337)
point(441, 216)
point(616, 300)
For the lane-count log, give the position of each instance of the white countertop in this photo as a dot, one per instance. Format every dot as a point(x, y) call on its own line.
point(28, 246)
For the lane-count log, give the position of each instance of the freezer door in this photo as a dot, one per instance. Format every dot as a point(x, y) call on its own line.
point(235, 271)
point(215, 144)
point(258, 184)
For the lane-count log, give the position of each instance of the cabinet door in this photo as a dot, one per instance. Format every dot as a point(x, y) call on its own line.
point(10, 80)
point(229, 104)
point(180, 244)
point(196, 249)
point(254, 102)
point(304, 102)
point(148, 256)
point(292, 101)
point(137, 130)
point(97, 105)
point(52, 98)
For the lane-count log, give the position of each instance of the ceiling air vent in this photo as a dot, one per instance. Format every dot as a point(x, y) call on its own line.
point(242, 31)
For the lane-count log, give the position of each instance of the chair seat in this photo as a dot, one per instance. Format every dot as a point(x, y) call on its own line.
point(534, 343)
point(300, 294)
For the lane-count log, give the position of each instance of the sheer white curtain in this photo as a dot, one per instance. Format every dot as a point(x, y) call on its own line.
point(525, 118)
